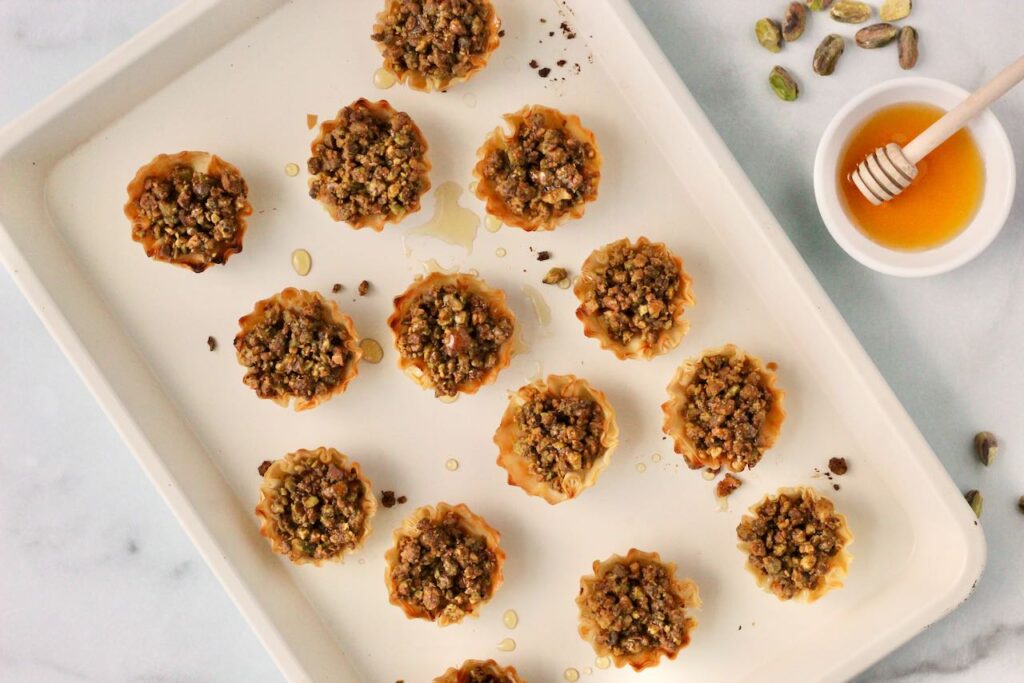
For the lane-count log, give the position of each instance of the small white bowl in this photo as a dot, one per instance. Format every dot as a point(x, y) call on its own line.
point(1000, 181)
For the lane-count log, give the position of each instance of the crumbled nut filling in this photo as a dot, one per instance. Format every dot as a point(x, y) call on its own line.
point(364, 287)
point(541, 172)
point(633, 296)
point(637, 609)
point(318, 509)
point(481, 673)
point(211, 343)
point(294, 352)
point(555, 275)
point(368, 165)
point(444, 568)
point(559, 435)
point(191, 213)
point(838, 466)
point(727, 405)
point(437, 38)
point(456, 334)
point(792, 541)
point(727, 485)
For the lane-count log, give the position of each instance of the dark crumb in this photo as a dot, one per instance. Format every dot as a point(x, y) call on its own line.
point(501, 33)
point(576, 68)
point(534, 64)
point(727, 485)
point(264, 466)
point(550, 34)
point(740, 627)
point(387, 499)
point(336, 288)
point(543, 255)
point(543, 73)
point(838, 466)
point(567, 30)
point(364, 287)
point(835, 486)
point(402, 500)
point(543, 20)
point(561, 62)
point(212, 343)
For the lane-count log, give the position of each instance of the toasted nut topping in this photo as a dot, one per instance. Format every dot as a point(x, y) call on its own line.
point(975, 500)
point(727, 485)
point(555, 275)
point(838, 466)
point(986, 446)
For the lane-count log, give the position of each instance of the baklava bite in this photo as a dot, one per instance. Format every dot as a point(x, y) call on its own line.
point(445, 564)
point(542, 173)
point(633, 609)
point(632, 298)
point(369, 165)
point(796, 544)
point(480, 671)
point(433, 45)
point(188, 209)
point(315, 506)
point(453, 333)
point(556, 437)
point(297, 347)
point(724, 410)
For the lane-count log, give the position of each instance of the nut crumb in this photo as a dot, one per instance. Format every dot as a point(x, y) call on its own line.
point(387, 499)
point(336, 288)
point(534, 64)
point(555, 275)
point(212, 343)
point(561, 62)
point(543, 255)
point(838, 466)
point(545, 72)
point(364, 287)
point(264, 466)
point(727, 485)
point(402, 500)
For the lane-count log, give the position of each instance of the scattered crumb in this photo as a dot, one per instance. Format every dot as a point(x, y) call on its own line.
point(838, 466)
point(402, 500)
point(727, 485)
point(835, 487)
point(364, 287)
point(212, 343)
point(543, 255)
point(567, 31)
point(534, 64)
point(561, 62)
point(576, 68)
point(311, 120)
point(336, 288)
point(501, 33)
point(555, 275)
point(551, 34)
point(264, 466)
point(773, 366)
point(543, 20)
point(544, 73)
point(387, 499)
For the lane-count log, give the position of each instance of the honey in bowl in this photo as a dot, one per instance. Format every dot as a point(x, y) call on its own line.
point(940, 202)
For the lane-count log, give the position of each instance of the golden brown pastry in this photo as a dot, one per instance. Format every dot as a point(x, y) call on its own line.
point(188, 209)
point(480, 671)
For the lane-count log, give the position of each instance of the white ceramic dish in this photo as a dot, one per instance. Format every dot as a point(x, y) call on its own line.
point(1000, 181)
point(136, 330)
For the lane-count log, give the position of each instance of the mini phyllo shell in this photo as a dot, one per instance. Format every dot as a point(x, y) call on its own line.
point(188, 209)
point(434, 45)
point(541, 174)
point(445, 565)
point(297, 346)
point(556, 437)
point(369, 165)
point(723, 409)
point(480, 671)
point(796, 544)
point(315, 506)
point(632, 298)
point(453, 333)
point(634, 610)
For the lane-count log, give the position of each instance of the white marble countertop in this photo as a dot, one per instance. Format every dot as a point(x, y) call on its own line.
point(99, 583)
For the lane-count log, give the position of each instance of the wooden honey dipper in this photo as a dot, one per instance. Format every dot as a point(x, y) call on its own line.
point(889, 170)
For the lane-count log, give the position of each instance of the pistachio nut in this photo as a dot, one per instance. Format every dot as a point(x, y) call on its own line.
point(908, 47)
point(975, 500)
point(986, 446)
point(851, 11)
point(894, 10)
point(818, 5)
point(827, 54)
point(783, 84)
point(769, 34)
point(795, 21)
point(876, 35)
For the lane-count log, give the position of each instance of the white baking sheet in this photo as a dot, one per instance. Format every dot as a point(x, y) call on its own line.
point(238, 78)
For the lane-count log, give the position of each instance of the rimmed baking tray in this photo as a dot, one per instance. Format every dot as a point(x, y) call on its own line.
point(238, 77)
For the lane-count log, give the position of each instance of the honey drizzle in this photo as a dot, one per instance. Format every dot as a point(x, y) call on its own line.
point(451, 222)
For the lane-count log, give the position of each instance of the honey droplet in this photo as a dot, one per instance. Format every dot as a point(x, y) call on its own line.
point(492, 224)
point(507, 645)
point(540, 307)
point(571, 675)
point(470, 99)
point(451, 464)
point(451, 222)
point(372, 352)
point(656, 457)
point(587, 670)
point(510, 619)
point(291, 170)
point(448, 399)
point(501, 252)
point(564, 284)
point(302, 262)
point(709, 475)
point(384, 79)
point(311, 120)
point(641, 468)
point(602, 662)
